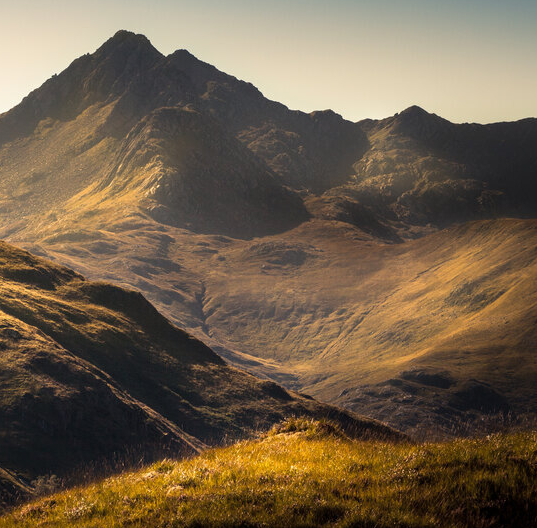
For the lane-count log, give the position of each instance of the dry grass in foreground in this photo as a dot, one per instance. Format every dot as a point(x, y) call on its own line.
point(306, 473)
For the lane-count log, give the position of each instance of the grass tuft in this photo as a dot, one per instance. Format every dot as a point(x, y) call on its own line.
point(310, 427)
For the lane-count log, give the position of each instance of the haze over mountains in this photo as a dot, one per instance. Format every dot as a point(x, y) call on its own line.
point(388, 266)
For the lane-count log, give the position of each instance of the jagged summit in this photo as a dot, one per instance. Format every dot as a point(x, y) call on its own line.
point(327, 114)
point(127, 40)
point(126, 50)
point(416, 122)
point(416, 114)
point(414, 110)
point(121, 64)
point(187, 59)
point(124, 35)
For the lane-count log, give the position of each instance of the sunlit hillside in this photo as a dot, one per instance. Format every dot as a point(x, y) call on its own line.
point(309, 474)
point(93, 377)
point(330, 310)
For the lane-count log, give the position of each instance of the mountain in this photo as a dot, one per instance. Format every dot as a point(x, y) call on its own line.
point(422, 169)
point(385, 265)
point(128, 109)
point(91, 374)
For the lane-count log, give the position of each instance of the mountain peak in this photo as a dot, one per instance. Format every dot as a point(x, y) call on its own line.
point(414, 110)
point(417, 122)
point(185, 55)
point(126, 43)
point(124, 35)
point(122, 61)
point(194, 67)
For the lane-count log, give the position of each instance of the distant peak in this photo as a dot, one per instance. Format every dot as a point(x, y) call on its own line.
point(186, 60)
point(415, 114)
point(127, 42)
point(328, 113)
point(415, 121)
point(414, 110)
point(183, 53)
point(122, 35)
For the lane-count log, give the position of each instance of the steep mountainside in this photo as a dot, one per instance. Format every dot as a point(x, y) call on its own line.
point(423, 169)
point(92, 372)
point(90, 121)
point(384, 265)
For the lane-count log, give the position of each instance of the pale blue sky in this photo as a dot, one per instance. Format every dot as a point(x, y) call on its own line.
point(473, 60)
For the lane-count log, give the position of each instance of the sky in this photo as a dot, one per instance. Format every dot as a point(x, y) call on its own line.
point(466, 60)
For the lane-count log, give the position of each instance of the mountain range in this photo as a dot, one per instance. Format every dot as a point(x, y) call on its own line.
point(387, 266)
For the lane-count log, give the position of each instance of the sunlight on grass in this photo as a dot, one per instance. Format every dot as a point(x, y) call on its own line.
point(306, 473)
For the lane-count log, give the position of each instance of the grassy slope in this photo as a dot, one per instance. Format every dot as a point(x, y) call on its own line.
point(90, 371)
point(462, 300)
point(325, 307)
point(308, 474)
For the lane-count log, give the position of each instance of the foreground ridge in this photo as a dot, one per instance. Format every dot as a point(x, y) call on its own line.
point(308, 473)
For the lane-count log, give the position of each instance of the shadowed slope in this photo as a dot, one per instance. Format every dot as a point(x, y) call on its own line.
point(184, 170)
point(422, 169)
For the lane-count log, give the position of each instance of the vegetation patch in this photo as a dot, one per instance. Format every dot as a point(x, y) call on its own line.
point(306, 473)
point(309, 427)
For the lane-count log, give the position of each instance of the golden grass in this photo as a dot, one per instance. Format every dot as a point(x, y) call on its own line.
point(306, 473)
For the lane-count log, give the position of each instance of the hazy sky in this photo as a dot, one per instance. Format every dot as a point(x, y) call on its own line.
point(467, 60)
